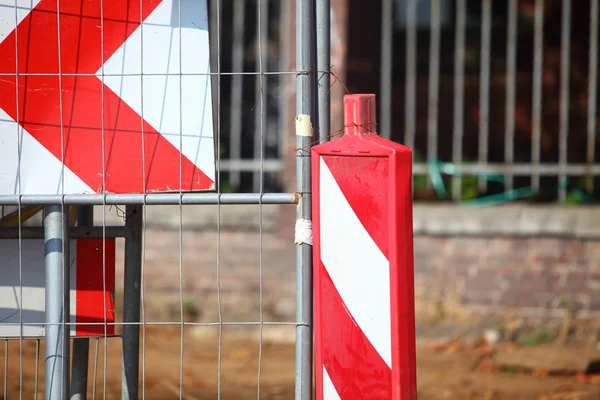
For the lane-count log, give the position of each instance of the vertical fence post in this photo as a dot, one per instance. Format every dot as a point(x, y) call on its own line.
point(56, 232)
point(323, 66)
point(81, 346)
point(131, 303)
point(363, 255)
point(387, 34)
point(305, 107)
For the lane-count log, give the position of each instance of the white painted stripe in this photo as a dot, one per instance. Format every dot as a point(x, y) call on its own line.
point(161, 47)
point(41, 171)
point(329, 392)
point(7, 14)
point(358, 268)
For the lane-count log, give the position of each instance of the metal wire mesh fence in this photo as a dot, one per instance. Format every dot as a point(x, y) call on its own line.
point(121, 277)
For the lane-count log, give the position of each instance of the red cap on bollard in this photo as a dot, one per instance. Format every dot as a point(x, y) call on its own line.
point(360, 114)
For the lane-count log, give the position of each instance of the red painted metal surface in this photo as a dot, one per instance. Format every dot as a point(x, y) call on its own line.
point(363, 262)
point(94, 299)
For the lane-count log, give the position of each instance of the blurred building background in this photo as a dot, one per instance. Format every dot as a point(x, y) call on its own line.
point(497, 100)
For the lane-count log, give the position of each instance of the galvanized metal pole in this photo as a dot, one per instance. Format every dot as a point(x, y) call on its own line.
point(56, 224)
point(131, 303)
point(305, 106)
point(323, 66)
point(385, 102)
point(81, 346)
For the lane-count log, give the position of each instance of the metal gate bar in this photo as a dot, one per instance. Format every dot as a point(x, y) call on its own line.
point(151, 199)
point(306, 101)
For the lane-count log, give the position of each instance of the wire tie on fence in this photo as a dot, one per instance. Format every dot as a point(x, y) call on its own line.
point(336, 80)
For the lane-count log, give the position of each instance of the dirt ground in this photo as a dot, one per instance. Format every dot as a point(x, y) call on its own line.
point(442, 374)
point(453, 370)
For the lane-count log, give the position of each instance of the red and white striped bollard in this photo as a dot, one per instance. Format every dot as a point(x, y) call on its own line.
point(363, 262)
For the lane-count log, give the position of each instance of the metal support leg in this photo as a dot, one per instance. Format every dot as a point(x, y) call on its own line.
point(56, 225)
point(81, 346)
point(131, 304)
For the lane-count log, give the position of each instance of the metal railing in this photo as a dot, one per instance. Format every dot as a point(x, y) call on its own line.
point(497, 98)
point(500, 89)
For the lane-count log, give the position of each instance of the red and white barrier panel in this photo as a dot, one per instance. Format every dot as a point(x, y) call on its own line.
point(363, 262)
point(92, 280)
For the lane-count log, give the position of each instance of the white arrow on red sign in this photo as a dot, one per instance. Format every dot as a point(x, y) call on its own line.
point(106, 144)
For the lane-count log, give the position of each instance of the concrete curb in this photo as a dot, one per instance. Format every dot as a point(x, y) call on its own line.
point(510, 220)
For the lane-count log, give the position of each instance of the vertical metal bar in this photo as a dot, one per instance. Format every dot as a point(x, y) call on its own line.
point(95, 381)
point(285, 55)
point(305, 104)
point(81, 346)
point(323, 66)
point(484, 86)
point(131, 303)
point(237, 85)
point(181, 310)
point(385, 104)
point(215, 33)
point(434, 83)
point(37, 369)
point(511, 67)
point(564, 96)
point(134, 285)
point(19, 189)
point(103, 142)
point(459, 96)
point(538, 60)
point(262, 32)
point(592, 92)
point(410, 110)
point(261, 114)
point(5, 368)
point(57, 302)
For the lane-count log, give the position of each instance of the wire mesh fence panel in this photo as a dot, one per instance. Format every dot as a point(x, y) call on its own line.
point(144, 232)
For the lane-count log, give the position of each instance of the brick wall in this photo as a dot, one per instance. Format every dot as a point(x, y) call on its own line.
point(532, 259)
point(534, 275)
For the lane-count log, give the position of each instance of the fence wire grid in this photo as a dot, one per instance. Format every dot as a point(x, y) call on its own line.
point(173, 244)
point(169, 307)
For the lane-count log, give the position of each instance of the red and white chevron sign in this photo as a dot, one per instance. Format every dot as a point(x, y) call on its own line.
point(72, 90)
point(363, 260)
point(92, 288)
